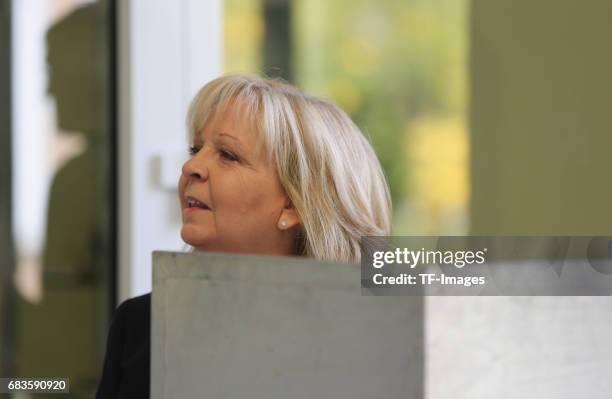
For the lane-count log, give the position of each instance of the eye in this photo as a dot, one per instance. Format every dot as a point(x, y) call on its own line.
point(193, 150)
point(228, 156)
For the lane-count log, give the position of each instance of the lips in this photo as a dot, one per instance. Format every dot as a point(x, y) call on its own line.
point(194, 203)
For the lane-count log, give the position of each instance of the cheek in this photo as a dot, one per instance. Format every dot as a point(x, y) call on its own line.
point(249, 199)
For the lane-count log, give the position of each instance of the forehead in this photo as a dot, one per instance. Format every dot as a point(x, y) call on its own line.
point(233, 118)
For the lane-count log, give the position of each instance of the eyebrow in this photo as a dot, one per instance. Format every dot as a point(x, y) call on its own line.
point(236, 139)
point(229, 135)
point(200, 136)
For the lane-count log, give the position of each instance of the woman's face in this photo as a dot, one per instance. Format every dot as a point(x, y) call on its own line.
point(231, 198)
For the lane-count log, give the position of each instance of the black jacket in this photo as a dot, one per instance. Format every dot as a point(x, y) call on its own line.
point(127, 363)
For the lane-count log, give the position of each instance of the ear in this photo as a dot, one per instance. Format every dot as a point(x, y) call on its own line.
point(289, 217)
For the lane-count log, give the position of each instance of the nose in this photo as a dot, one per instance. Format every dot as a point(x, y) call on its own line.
point(196, 167)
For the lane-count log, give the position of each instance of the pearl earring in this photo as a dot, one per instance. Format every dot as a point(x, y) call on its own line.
point(282, 224)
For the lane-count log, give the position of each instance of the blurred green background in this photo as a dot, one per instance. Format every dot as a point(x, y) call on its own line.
point(489, 116)
point(398, 67)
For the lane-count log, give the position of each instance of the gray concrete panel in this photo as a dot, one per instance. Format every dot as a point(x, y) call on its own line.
point(231, 326)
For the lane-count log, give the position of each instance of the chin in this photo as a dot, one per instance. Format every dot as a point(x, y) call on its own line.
point(193, 236)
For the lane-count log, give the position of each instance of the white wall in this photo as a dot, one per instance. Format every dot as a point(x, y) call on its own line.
point(167, 50)
point(518, 347)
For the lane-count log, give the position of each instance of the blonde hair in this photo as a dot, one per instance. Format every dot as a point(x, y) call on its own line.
point(325, 164)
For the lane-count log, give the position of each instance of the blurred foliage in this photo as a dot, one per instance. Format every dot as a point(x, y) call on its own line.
point(243, 27)
point(398, 67)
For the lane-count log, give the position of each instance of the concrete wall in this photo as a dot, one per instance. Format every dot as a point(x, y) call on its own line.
point(518, 347)
point(230, 326)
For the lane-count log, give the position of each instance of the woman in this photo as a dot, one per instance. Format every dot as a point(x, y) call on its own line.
point(272, 171)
